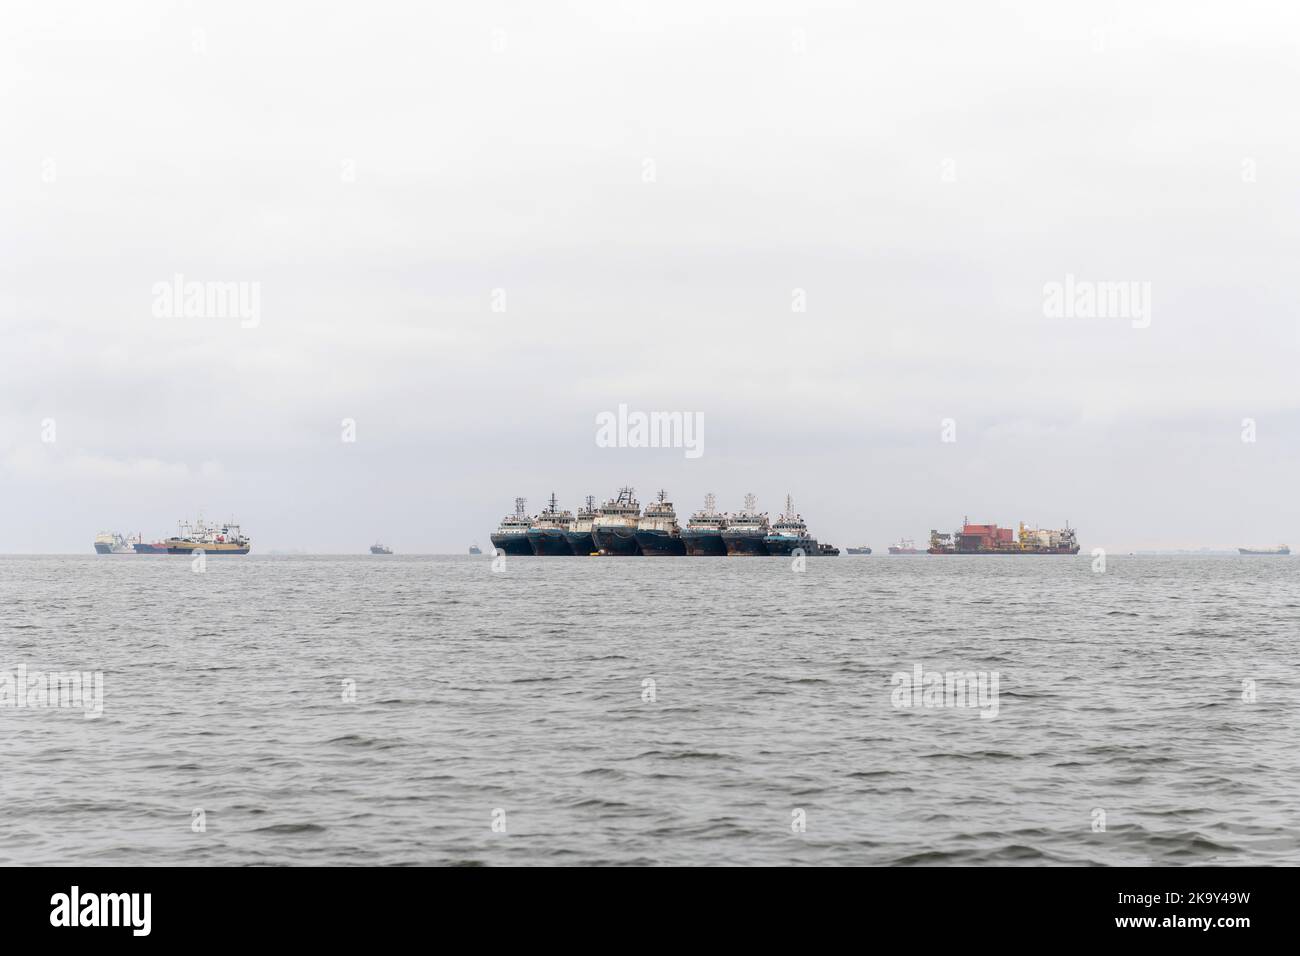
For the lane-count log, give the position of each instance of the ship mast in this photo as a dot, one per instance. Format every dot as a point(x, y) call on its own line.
point(751, 502)
point(789, 506)
point(520, 504)
point(591, 502)
point(662, 495)
point(553, 502)
point(710, 502)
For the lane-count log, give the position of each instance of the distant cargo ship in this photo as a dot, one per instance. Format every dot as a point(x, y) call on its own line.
point(1280, 551)
point(905, 546)
point(210, 539)
point(703, 532)
point(990, 539)
point(746, 530)
point(614, 527)
point(110, 542)
point(550, 529)
point(378, 548)
point(862, 549)
point(658, 533)
point(511, 536)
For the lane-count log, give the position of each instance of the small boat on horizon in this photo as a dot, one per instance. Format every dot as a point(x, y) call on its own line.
point(378, 548)
point(1280, 551)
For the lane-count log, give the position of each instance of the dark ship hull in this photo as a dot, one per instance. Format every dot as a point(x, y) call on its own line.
point(142, 548)
point(512, 543)
point(616, 540)
point(659, 543)
point(704, 543)
point(860, 550)
point(579, 542)
point(739, 543)
point(549, 541)
point(783, 546)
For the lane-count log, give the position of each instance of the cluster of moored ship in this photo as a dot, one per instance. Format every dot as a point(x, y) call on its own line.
point(190, 538)
point(619, 527)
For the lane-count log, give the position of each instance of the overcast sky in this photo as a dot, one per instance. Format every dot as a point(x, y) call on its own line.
point(648, 183)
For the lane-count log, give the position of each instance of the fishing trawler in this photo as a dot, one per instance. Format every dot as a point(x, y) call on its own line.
point(378, 548)
point(475, 549)
point(703, 532)
point(210, 539)
point(614, 528)
point(657, 533)
point(746, 530)
point(790, 534)
point(549, 532)
point(511, 536)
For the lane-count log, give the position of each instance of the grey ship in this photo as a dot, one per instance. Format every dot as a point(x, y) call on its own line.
point(746, 530)
point(658, 533)
point(579, 535)
point(549, 532)
point(703, 532)
point(511, 537)
point(615, 524)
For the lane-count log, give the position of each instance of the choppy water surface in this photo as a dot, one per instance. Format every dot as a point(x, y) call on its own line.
point(523, 692)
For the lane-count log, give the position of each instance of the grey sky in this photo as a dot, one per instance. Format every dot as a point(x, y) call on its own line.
point(920, 171)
